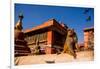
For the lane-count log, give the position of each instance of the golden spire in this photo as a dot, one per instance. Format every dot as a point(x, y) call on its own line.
point(18, 25)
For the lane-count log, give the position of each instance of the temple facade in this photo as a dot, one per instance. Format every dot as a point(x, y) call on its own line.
point(49, 37)
point(89, 38)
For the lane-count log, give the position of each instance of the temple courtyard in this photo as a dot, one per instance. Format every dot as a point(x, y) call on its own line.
point(54, 58)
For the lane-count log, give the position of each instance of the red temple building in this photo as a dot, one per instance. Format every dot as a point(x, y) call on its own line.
point(49, 36)
point(89, 38)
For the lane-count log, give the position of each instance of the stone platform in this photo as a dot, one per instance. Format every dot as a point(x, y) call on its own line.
point(54, 58)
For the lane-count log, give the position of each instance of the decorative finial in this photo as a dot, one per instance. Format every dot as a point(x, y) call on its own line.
point(21, 16)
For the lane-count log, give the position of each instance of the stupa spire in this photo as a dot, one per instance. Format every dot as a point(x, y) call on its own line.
point(18, 25)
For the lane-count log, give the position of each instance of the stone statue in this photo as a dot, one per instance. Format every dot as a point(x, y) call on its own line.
point(37, 48)
point(71, 43)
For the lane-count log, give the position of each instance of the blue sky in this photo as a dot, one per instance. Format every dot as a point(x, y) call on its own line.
point(73, 17)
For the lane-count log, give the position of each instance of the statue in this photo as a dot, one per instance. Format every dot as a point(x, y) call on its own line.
point(71, 43)
point(37, 48)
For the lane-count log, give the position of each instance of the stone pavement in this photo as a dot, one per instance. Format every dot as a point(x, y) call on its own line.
point(54, 58)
